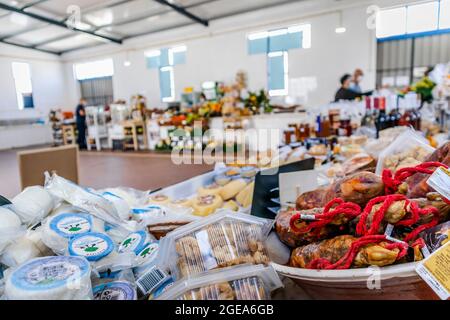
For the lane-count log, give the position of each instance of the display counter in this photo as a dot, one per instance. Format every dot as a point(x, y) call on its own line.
point(25, 135)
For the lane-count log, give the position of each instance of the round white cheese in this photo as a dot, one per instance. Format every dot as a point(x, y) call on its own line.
point(9, 226)
point(50, 278)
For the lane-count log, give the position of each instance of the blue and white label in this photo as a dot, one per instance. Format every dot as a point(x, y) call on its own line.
point(49, 273)
point(134, 242)
point(93, 246)
point(117, 290)
point(68, 225)
point(148, 254)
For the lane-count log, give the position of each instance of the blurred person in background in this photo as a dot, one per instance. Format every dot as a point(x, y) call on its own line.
point(358, 77)
point(346, 93)
point(80, 113)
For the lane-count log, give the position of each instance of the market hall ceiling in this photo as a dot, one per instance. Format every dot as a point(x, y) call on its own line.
point(60, 26)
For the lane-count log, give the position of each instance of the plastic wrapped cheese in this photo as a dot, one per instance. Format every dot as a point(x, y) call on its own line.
point(50, 278)
point(63, 226)
point(85, 199)
point(115, 290)
point(121, 205)
point(10, 227)
point(33, 204)
point(232, 189)
point(206, 205)
point(135, 242)
point(99, 249)
point(146, 258)
point(213, 189)
point(20, 251)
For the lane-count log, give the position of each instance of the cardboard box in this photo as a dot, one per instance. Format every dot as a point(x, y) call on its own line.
point(33, 163)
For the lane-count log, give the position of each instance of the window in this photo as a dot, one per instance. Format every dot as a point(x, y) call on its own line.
point(391, 22)
point(276, 44)
point(22, 81)
point(278, 73)
point(423, 17)
point(94, 69)
point(444, 15)
point(165, 60)
point(414, 19)
point(95, 80)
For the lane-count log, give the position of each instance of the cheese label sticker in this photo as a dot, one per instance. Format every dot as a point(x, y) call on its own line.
point(50, 272)
point(440, 181)
point(68, 225)
point(149, 253)
point(435, 271)
point(118, 290)
point(92, 246)
point(133, 242)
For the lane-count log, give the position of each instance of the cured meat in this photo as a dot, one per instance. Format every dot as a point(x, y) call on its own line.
point(417, 183)
point(358, 188)
point(312, 199)
point(294, 239)
point(335, 249)
point(433, 200)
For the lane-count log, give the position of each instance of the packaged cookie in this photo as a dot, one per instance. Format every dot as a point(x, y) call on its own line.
point(244, 282)
point(409, 149)
point(220, 240)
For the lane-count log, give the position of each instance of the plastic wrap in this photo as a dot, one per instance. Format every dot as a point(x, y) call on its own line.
point(85, 199)
point(11, 227)
point(120, 286)
point(50, 278)
point(246, 282)
point(135, 242)
point(33, 204)
point(220, 240)
point(146, 258)
point(407, 150)
point(99, 249)
point(60, 228)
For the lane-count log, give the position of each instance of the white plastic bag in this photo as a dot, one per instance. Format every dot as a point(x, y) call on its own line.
point(33, 204)
point(11, 227)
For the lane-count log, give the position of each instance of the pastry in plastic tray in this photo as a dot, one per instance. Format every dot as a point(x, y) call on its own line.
point(246, 282)
point(408, 158)
point(358, 140)
point(318, 150)
point(220, 240)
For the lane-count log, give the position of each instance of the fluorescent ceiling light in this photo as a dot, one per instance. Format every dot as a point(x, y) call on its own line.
point(341, 30)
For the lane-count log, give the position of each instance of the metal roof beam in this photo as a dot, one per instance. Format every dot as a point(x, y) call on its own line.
point(29, 47)
point(184, 12)
point(56, 23)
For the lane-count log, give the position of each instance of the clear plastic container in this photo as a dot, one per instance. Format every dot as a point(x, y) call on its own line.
point(407, 150)
point(244, 282)
point(217, 241)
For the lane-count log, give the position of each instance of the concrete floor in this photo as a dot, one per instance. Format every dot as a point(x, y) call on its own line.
point(144, 171)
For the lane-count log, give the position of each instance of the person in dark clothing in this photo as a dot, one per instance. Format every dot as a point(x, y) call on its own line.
point(345, 93)
point(81, 123)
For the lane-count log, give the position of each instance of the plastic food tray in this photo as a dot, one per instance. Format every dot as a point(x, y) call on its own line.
point(245, 282)
point(220, 240)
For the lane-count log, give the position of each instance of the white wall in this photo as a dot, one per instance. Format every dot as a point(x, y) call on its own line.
point(214, 53)
point(48, 81)
point(218, 52)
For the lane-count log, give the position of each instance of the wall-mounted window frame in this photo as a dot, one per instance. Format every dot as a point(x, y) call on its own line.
point(21, 72)
point(275, 44)
point(165, 60)
point(402, 22)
